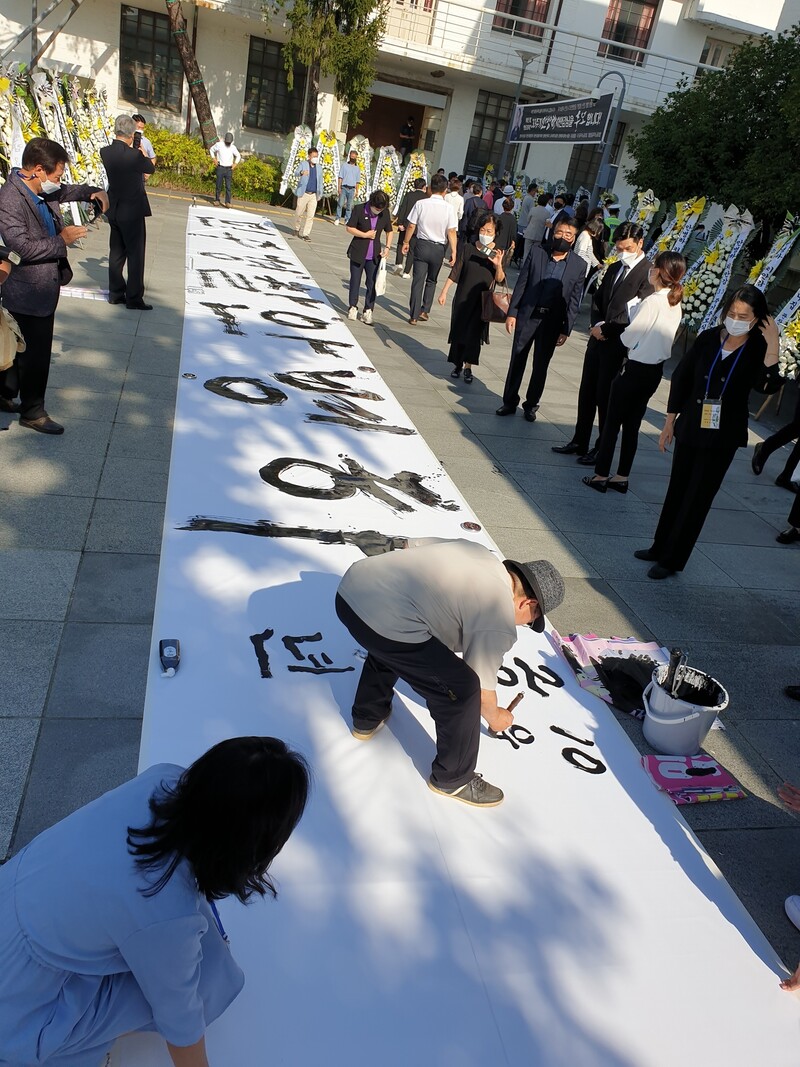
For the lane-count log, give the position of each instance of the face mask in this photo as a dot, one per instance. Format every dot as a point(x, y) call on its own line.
point(737, 328)
point(485, 239)
point(628, 258)
point(50, 187)
point(561, 244)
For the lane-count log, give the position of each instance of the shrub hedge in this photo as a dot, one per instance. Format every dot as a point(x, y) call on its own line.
point(184, 163)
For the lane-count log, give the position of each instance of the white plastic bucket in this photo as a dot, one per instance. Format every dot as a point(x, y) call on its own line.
point(675, 727)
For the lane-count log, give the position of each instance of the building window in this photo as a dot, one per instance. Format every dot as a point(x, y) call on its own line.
point(716, 53)
point(150, 68)
point(630, 22)
point(585, 160)
point(268, 104)
point(521, 9)
point(489, 131)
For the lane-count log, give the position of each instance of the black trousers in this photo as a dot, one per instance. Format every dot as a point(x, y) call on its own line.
point(398, 256)
point(627, 402)
point(127, 245)
point(428, 259)
point(694, 481)
point(790, 432)
point(601, 365)
point(224, 175)
point(794, 514)
point(28, 374)
point(370, 268)
point(448, 686)
point(543, 343)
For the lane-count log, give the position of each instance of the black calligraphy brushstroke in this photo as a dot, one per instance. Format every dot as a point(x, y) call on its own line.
point(592, 765)
point(572, 737)
point(259, 640)
point(345, 413)
point(370, 542)
point(555, 679)
point(532, 678)
point(515, 735)
point(228, 257)
point(320, 381)
point(222, 387)
point(290, 643)
point(318, 670)
point(354, 478)
point(235, 280)
point(306, 321)
point(326, 658)
point(279, 284)
point(513, 679)
point(322, 348)
point(228, 320)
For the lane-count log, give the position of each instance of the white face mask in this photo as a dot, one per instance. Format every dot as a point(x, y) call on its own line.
point(485, 239)
point(50, 187)
point(737, 328)
point(628, 258)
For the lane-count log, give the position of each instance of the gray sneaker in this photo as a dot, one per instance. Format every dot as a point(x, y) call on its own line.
point(477, 792)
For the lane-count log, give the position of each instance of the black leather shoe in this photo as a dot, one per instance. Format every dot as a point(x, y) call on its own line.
point(618, 487)
point(600, 484)
point(11, 407)
point(530, 416)
point(793, 691)
point(756, 462)
point(116, 300)
point(506, 409)
point(468, 376)
point(570, 449)
point(589, 459)
point(647, 554)
point(786, 483)
point(44, 424)
point(657, 571)
point(788, 537)
point(141, 306)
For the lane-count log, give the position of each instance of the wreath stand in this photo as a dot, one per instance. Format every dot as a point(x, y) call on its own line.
point(767, 402)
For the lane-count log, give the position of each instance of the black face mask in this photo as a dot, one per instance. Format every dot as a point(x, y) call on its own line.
point(561, 244)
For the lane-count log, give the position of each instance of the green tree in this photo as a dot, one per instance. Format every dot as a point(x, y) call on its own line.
point(339, 38)
point(732, 135)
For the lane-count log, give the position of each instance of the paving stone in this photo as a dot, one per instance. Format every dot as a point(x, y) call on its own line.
point(593, 606)
point(115, 587)
point(126, 526)
point(52, 522)
point(597, 513)
point(27, 655)
point(101, 671)
point(778, 740)
point(145, 412)
point(17, 742)
point(525, 543)
point(736, 528)
point(76, 402)
point(145, 442)
point(758, 568)
point(612, 556)
point(76, 760)
point(36, 584)
point(134, 479)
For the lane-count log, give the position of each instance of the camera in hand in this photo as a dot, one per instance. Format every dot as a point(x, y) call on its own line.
point(137, 139)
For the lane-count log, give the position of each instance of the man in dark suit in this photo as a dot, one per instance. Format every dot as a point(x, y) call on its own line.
point(625, 283)
point(129, 207)
point(36, 233)
point(419, 192)
point(541, 315)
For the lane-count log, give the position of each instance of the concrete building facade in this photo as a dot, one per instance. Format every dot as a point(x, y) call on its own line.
point(456, 66)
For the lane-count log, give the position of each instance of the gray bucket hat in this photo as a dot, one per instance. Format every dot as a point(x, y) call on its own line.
point(543, 582)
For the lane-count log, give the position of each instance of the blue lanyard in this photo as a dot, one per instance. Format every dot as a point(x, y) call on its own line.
point(739, 351)
point(218, 921)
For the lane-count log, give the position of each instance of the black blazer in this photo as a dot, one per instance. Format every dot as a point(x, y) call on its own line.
point(412, 197)
point(359, 220)
point(610, 304)
point(689, 387)
point(527, 295)
point(126, 194)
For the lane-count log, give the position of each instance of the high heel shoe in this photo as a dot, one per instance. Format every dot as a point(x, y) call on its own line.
point(618, 487)
point(596, 483)
point(756, 462)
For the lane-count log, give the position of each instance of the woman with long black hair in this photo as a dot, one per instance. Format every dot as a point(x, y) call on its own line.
point(648, 338)
point(108, 921)
point(707, 416)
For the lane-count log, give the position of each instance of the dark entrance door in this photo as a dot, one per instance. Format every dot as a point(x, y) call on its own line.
point(382, 121)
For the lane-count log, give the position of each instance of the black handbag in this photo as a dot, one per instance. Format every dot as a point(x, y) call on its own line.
point(495, 304)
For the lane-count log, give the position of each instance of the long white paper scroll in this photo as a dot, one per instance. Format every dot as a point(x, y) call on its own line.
point(578, 924)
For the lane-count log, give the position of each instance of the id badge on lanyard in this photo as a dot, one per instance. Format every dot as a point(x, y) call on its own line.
point(711, 411)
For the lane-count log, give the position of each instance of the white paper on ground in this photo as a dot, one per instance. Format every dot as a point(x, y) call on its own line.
point(578, 924)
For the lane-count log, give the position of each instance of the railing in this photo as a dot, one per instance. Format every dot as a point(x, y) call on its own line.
point(567, 63)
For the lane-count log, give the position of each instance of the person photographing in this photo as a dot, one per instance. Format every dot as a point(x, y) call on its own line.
point(413, 610)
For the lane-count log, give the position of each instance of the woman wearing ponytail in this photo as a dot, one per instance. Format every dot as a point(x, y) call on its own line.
point(649, 339)
point(707, 416)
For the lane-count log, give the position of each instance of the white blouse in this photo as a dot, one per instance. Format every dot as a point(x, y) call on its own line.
point(651, 333)
point(585, 249)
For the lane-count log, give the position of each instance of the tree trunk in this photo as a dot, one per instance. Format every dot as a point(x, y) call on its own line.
point(197, 87)
point(311, 96)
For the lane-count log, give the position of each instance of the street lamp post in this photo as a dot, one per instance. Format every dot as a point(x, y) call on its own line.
point(526, 58)
point(609, 141)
